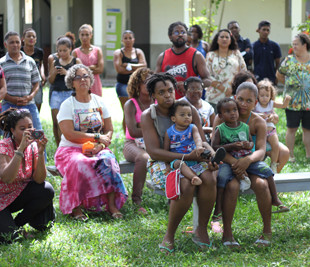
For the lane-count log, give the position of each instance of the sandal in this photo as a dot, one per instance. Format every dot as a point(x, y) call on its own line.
point(200, 244)
point(262, 242)
point(231, 244)
point(219, 155)
point(80, 217)
point(281, 208)
point(117, 215)
point(168, 251)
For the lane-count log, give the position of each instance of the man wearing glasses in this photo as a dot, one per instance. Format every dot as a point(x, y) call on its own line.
point(182, 61)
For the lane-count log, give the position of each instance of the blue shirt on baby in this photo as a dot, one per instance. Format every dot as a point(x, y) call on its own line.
point(181, 142)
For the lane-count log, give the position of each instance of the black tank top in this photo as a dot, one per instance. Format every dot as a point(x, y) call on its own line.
point(59, 82)
point(124, 78)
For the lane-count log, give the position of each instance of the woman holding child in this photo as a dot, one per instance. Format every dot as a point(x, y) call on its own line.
point(134, 149)
point(155, 121)
point(91, 177)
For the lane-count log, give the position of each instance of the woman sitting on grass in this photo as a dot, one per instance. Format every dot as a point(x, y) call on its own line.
point(22, 176)
point(91, 178)
point(134, 149)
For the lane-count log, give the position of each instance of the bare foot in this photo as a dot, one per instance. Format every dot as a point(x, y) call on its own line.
point(196, 181)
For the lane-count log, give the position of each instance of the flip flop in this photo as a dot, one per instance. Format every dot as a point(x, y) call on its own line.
point(200, 244)
point(231, 244)
point(80, 217)
point(117, 215)
point(262, 242)
point(281, 208)
point(219, 155)
point(216, 227)
point(170, 251)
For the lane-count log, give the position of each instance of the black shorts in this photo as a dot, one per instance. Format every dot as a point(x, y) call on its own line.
point(293, 118)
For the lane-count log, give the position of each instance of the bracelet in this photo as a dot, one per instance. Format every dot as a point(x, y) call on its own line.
point(97, 137)
point(18, 153)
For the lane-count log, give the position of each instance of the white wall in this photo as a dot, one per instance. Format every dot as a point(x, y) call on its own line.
point(13, 18)
point(250, 12)
point(59, 19)
point(163, 13)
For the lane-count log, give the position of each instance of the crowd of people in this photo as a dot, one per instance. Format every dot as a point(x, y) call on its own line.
point(199, 98)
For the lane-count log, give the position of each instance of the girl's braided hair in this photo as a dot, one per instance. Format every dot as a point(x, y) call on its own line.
point(9, 119)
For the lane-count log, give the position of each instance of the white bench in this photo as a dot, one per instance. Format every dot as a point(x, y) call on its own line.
point(125, 167)
point(285, 182)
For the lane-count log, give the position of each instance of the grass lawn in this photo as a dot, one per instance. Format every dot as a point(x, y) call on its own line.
point(134, 241)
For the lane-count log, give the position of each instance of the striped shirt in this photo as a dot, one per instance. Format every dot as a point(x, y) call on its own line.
point(20, 76)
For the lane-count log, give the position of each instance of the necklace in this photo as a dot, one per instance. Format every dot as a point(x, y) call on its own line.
point(223, 63)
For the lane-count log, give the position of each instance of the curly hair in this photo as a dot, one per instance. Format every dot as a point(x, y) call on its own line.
point(71, 73)
point(223, 101)
point(159, 77)
point(9, 119)
point(241, 77)
point(71, 36)
point(178, 103)
point(136, 79)
point(173, 25)
point(215, 46)
point(267, 85)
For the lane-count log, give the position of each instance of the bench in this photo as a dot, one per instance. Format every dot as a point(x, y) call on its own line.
point(285, 182)
point(125, 167)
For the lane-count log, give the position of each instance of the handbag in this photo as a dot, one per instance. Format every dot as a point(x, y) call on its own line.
point(172, 187)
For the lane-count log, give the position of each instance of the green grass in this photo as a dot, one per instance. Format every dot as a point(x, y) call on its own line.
point(134, 241)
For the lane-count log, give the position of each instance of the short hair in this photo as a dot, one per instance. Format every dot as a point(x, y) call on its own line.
point(264, 23)
point(71, 73)
point(231, 22)
point(128, 32)
point(215, 46)
point(241, 77)
point(173, 25)
point(64, 41)
point(248, 85)
point(178, 103)
point(223, 101)
point(86, 26)
point(159, 77)
point(10, 117)
point(267, 85)
point(304, 39)
point(190, 80)
point(9, 34)
point(136, 78)
point(199, 30)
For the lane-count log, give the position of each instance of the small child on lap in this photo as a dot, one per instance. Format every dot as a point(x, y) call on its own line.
point(183, 137)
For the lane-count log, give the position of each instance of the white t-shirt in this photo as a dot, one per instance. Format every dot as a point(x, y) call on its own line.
point(205, 112)
point(267, 110)
point(86, 117)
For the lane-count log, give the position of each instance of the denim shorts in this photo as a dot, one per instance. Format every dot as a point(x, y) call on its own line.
point(57, 97)
point(121, 90)
point(38, 98)
point(225, 174)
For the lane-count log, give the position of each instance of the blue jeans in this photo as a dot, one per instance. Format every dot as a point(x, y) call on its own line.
point(57, 97)
point(32, 109)
point(121, 89)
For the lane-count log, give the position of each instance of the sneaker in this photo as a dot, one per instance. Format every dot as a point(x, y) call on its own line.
point(245, 184)
point(273, 167)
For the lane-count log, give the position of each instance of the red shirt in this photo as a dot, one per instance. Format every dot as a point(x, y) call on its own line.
point(181, 66)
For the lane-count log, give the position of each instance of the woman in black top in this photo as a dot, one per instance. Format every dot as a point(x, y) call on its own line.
point(126, 61)
point(29, 40)
point(57, 72)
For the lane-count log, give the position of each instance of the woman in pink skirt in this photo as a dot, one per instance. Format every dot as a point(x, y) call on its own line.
point(90, 56)
point(91, 179)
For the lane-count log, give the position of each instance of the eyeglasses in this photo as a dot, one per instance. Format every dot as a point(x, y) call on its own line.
point(176, 33)
point(78, 77)
point(194, 90)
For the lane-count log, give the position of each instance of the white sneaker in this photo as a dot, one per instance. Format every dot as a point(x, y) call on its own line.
point(245, 184)
point(273, 167)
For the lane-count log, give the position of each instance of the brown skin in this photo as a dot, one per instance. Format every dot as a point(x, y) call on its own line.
point(13, 45)
point(3, 89)
point(199, 60)
point(195, 40)
point(164, 94)
point(22, 137)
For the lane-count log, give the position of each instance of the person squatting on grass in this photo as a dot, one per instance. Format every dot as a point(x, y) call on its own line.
point(266, 103)
point(155, 121)
point(183, 137)
point(22, 176)
point(261, 180)
point(91, 178)
point(134, 148)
